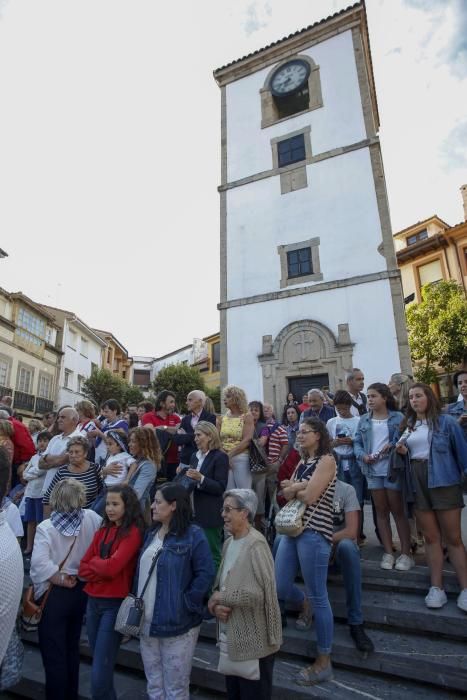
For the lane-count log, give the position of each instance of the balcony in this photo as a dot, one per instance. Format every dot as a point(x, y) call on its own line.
point(24, 402)
point(27, 402)
point(44, 405)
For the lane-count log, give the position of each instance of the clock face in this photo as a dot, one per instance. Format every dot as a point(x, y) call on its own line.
point(289, 78)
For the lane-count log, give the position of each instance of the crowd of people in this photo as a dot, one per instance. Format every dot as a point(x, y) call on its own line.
point(153, 522)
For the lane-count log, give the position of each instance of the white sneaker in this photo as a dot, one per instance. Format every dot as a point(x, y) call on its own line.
point(462, 600)
point(387, 562)
point(404, 563)
point(436, 598)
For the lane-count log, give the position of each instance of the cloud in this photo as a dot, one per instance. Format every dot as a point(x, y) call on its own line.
point(257, 17)
point(395, 50)
point(450, 15)
point(452, 150)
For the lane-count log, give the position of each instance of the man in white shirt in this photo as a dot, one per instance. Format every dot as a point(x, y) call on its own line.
point(55, 455)
point(355, 381)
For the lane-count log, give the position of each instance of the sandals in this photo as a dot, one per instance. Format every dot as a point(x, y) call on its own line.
point(308, 675)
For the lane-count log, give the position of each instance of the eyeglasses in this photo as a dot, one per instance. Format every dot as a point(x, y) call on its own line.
point(305, 432)
point(227, 509)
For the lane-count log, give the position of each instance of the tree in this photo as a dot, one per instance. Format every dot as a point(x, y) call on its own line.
point(103, 385)
point(215, 395)
point(438, 329)
point(132, 395)
point(180, 379)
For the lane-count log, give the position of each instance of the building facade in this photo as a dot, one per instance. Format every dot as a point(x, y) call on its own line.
point(30, 362)
point(82, 352)
point(115, 356)
point(429, 251)
point(309, 280)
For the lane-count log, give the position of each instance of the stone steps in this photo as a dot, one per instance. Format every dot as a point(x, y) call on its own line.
point(415, 580)
point(207, 683)
point(407, 656)
point(404, 611)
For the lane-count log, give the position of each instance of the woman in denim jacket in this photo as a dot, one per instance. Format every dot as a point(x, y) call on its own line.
point(175, 594)
point(374, 438)
point(438, 458)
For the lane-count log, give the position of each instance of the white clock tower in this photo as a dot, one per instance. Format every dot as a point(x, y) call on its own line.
point(309, 280)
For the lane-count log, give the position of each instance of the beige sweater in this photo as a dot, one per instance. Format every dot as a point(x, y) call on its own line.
point(254, 627)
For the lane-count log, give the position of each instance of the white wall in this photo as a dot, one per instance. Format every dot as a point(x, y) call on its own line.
point(367, 308)
point(338, 123)
point(339, 206)
point(180, 357)
point(75, 361)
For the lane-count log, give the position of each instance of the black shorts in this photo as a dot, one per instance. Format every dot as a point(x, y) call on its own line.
point(440, 498)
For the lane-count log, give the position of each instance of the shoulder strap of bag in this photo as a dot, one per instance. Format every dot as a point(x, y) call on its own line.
point(69, 552)
point(315, 505)
point(47, 593)
point(151, 569)
point(298, 465)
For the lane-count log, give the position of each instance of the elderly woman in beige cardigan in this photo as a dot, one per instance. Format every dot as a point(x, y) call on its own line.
point(245, 600)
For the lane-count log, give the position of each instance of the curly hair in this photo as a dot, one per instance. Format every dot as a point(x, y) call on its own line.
point(78, 440)
point(148, 444)
point(133, 514)
point(259, 406)
point(238, 396)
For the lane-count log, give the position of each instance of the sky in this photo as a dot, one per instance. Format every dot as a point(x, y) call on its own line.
point(110, 145)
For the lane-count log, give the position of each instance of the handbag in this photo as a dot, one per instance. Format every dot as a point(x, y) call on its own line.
point(257, 457)
point(245, 669)
point(12, 664)
point(32, 611)
point(130, 615)
point(289, 520)
point(185, 481)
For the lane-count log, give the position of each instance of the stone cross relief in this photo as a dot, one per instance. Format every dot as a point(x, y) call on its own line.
point(306, 346)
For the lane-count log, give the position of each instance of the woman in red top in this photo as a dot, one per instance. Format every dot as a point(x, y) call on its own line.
point(108, 567)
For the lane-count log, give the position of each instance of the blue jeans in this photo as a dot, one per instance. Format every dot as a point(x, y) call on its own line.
point(101, 614)
point(309, 552)
point(347, 562)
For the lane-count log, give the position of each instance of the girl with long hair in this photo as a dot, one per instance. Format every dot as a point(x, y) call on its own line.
point(438, 458)
point(372, 442)
point(108, 567)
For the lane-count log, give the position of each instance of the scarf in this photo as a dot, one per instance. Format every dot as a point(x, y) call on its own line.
point(68, 524)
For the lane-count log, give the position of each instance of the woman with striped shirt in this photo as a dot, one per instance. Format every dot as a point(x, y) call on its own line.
point(79, 468)
point(314, 483)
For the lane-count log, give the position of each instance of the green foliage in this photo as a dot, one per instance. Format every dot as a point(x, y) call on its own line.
point(215, 395)
point(132, 395)
point(103, 385)
point(438, 329)
point(181, 379)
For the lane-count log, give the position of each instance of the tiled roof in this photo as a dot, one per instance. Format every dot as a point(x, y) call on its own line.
point(297, 33)
point(420, 223)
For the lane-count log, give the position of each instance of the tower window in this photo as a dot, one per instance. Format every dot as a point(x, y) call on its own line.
point(291, 150)
point(299, 262)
